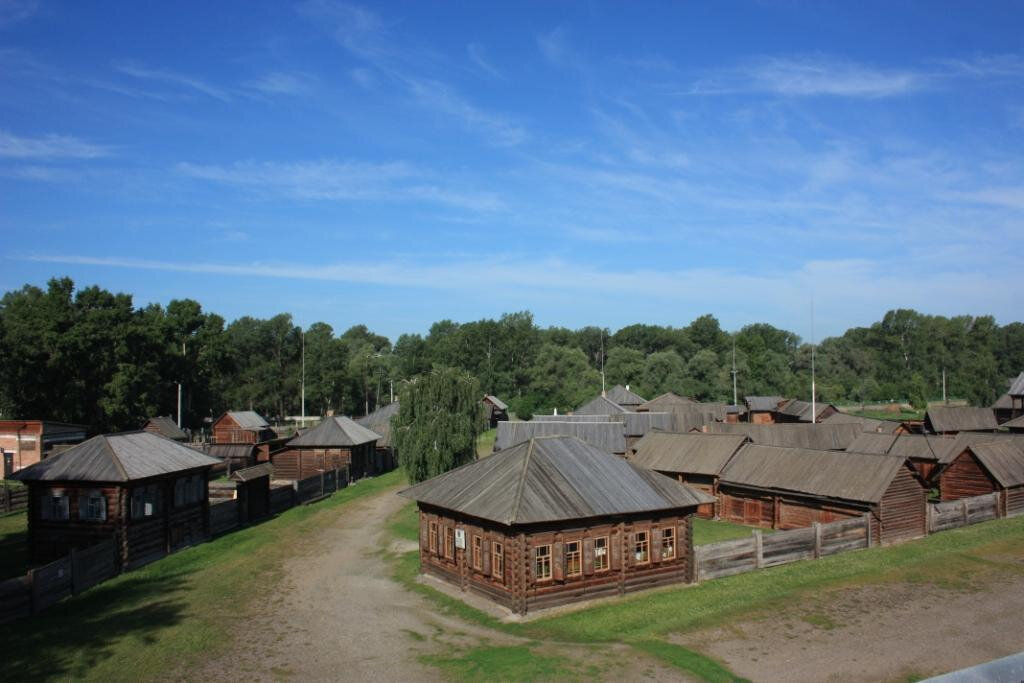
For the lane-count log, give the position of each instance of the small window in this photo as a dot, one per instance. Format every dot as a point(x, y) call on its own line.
point(642, 548)
point(92, 506)
point(449, 542)
point(573, 563)
point(601, 554)
point(498, 561)
point(55, 506)
point(145, 501)
point(542, 562)
point(478, 558)
point(432, 537)
point(668, 543)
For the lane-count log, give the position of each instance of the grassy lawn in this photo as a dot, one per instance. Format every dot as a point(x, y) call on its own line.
point(485, 443)
point(711, 531)
point(886, 415)
point(959, 559)
point(13, 545)
point(171, 614)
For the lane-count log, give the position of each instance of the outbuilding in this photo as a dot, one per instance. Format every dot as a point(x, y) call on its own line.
point(795, 410)
point(622, 396)
point(987, 468)
point(379, 421)
point(762, 409)
point(825, 437)
point(495, 410)
point(667, 402)
point(951, 420)
point(555, 520)
point(165, 427)
point(147, 492)
point(241, 426)
point(337, 443)
point(599, 406)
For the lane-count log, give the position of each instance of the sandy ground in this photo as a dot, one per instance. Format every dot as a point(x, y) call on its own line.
point(875, 633)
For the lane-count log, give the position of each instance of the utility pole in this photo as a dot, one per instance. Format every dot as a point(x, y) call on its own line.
point(603, 392)
point(303, 332)
point(944, 387)
point(179, 386)
point(735, 402)
point(814, 402)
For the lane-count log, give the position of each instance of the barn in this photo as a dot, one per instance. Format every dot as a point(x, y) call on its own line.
point(599, 406)
point(147, 492)
point(605, 436)
point(241, 426)
point(694, 459)
point(337, 443)
point(379, 421)
point(621, 395)
point(165, 427)
point(790, 488)
point(950, 420)
point(552, 521)
point(795, 410)
point(26, 442)
point(762, 409)
point(986, 468)
point(667, 402)
point(495, 409)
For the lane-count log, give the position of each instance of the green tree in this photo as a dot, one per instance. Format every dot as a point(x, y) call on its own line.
point(561, 378)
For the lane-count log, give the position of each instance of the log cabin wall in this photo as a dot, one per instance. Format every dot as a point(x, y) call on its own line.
point(963, 478)
point(761, 418)
point(704, 482)
point(299, 463)
point(50, 539)
point(800, 513)
point(1013, 501)
point(746, 507)
point(903, 509)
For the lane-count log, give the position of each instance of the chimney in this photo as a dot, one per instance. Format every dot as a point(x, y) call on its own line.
point(627, 387)
point(556, 411)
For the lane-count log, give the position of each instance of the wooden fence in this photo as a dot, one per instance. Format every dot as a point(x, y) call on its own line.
point(768, 550)
point(223, 515)
point(47, 585)
point(12, 498)
point(957, 513)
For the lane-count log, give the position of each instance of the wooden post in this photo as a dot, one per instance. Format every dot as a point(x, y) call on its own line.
point(817, 540)
point(758, 549)
point(32, 590)
point(867, 521)
point(963, 507)
point(929, 511)
point(623, 557)
point(695, 571)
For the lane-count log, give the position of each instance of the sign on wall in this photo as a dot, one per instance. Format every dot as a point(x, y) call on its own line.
point(460, 539)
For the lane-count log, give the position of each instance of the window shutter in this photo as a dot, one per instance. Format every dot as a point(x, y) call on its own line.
point(103, 508)
point(486, 550)
point(83, 505)
point(424, 534)
point(557, 561)
point(588, 556)
point(655, 550)
point(616, 550)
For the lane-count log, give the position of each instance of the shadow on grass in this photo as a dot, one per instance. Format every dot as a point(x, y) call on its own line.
point(13, 545)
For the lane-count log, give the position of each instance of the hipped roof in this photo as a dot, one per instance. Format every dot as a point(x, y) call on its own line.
point(960, 419)
point(667, 401)
point(624, 397)
point(599, 406)
point(249, 419)
point(551, 479)
point(704, 454)
point(335, 431)
point(819, 436)
point(380, 421)
point(117, 458)
point(860, 477)
point(606, 436)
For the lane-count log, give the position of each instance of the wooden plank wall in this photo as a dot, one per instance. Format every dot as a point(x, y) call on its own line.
point(768, 550)
point(223, 515)
point(958, 513)
point(13, 498)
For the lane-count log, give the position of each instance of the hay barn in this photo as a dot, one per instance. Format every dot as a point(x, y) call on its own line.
point(987, 468)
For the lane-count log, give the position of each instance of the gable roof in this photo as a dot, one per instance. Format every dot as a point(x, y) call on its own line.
point(667, 401)
point(496, 402)
point(552, 479)
point(825, 437)
point(599, 406)
point(868, 424)
point(624, 397)
point(264, 469)
point(690, 453)
point(606, 436)
point(1015, 423)
point(117, 458)
point(1004, 460)
point(1017, 386)
point(379, 421)
point(249, 420)
point(633, 424)
point(861, 477)
point(763, 403)
point(960, 419)
point(801, 410)
point(962, 440)
point(166, 427)
point(1004, 402)
point(335, 431)
point(872, 442)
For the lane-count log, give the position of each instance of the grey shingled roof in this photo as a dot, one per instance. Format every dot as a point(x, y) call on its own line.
point(1004, 460)
point(826, 437)
point(335, 431)
point(964, 439)
point(117, 458)
point(872, 442)
point(167, 427)
point(380, 421)
point(801, 410)
point(607, 436)
point(868, 424)
point(921, 446)
point(960, 419)
point(264, 469)
point(235, 451)
point(552, 479)
point(686, 453)
point(861, 477)
point(599, 406)
point(249, 420)
point(763, 403)
point(667, 401)
point(624, 397)
point(1017, 386)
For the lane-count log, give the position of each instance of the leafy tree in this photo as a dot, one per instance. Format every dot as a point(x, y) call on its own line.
point(664, 371)
point(561, 378)
point(441, 417)
point(624, 366)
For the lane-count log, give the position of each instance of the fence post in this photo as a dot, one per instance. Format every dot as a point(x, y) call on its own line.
point(963, 507)
point(995, 501)
point(867, 521)
point(817, 540)
point(758, 549)
point(696, 564)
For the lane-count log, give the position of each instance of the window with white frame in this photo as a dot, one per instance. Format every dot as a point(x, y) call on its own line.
point(498, 561)
point(601, 554)
point(146, 501)
point(92, 506)
point(642, 547)
point(573, 559)
point(668, 543)
point(542, 562)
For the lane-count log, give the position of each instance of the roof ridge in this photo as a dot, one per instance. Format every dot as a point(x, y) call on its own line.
point(522, 483)
point(113, 456)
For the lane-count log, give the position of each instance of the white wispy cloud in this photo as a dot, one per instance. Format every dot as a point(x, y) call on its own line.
point(1011, 197)
point(282, 83)
point(553, 46)
point(812, 76)
point(443, 99)
point(357, 29)
point(987, 66)
point(174, 78)
point(49, 147)
point(342, 181)
point(478, 56)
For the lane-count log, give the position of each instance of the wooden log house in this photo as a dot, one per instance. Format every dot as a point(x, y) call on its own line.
point(241, 426)
point(791, 488)
point(379, 421)
point(26, 442)
point(694, 459)
point(552, 521)
point(165, 427)
point(795, 410)
point(951, 420)
point(337, 443)
point(996, 466)
point(762, 409)
point(147, 492)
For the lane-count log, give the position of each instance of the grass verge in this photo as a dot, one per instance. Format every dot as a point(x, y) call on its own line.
point(173, 613)
point(710, 531)
point(13, 545)
point(485, 443)
point(704, 668)
point(503, 663)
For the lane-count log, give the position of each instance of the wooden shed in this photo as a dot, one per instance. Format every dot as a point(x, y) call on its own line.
point(555, 520)
point(495, 409)
point(795, 410)
point(337, 443)
point(26, 442)
point(790, 488)
point(762, 409)
point(922, 450)
point(606, 436)
point(830, 437)
point(165, 427)
point(667, 402)
point(241, 426)
point(379, 421)
point(948, 420)
point(146, 491)
point(252, 491)
point(694, 459)
point(987, 468)
point(622, 396)
point(599, 406)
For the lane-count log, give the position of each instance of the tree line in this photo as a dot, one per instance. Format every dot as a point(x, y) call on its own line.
point(91, 356)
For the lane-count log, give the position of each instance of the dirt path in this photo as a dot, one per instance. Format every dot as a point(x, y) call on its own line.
point(874, 633)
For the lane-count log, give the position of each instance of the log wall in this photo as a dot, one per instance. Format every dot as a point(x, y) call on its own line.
point(903, 509)
point(963, 478)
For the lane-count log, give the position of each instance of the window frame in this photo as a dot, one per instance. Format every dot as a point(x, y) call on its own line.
point(57, 500)
point(671, 531)
point(498, 560)
point(645, 544)
point(432, 537)
point(90, 497)
point(567, 554)
point(477, 554)
point(542, 560)
point(605, 556)
point(449, 543)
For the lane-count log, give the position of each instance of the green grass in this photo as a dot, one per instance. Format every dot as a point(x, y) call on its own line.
point(173, 613)
point(711, 531)
point(704, 668)
point(13, 545)
point(503, 663)
point(485, 443)
point(886, 415)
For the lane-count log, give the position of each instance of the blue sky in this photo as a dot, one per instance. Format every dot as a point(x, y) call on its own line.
point(597, 163)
